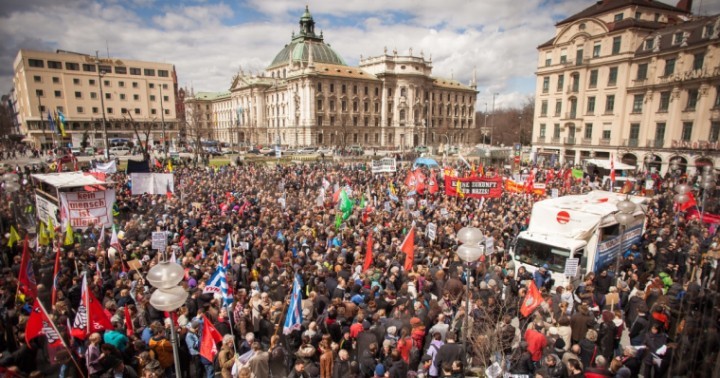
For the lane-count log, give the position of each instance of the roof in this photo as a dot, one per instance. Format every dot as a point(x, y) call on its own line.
point(343, 71)
point(450, 83)
point(696, 36)
point(299, 51)
point(211, 96)
point(605, 164)
point(604, 6)
point(69, 179)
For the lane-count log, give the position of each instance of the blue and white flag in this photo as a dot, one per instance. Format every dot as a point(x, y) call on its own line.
point(217, 284)
point(51, 122)
point(293, 318)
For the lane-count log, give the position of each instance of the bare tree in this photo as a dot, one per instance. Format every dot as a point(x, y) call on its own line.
point(146, 130)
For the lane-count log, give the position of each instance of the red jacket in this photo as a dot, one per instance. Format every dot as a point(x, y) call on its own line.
point(536, 343)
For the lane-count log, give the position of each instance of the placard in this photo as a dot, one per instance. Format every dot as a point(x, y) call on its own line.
point(384, 165)
point(82, 209)
point(134, 264)
point(474, 187)
point(152, 183)
point(571, 267)
point(244, 245)
point(431, 231)
point(555, 193)
point(45, 209)
point(159, 240)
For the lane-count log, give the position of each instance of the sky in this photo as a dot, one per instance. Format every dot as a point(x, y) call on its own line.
point(209, 41)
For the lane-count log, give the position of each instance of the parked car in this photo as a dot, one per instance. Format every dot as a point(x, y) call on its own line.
point(325, 151)
point(120, 151)
point(357, 149)
point(421, 149)
point(265, 150)
point(213, 151)
point(254, 151)
point(307, 150)
point(76, 151)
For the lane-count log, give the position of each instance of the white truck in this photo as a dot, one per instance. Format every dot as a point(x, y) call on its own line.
point(581, 227)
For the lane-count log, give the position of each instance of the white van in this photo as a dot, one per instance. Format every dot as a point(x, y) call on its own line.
point(119, 151)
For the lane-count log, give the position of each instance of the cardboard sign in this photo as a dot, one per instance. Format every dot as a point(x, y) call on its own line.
point(244, 245)
point(45, 209)
point(571, 267)
point(474, 187)
point(134, 264)
point(385, 165)
point(84, 208)
point(159, 240)
point(431, 231)
point(152, 183)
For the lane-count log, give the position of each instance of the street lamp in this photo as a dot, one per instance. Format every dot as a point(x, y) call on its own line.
point(492, 120)
point(102, 106)
point(624, 217)
point(166, 276)
point(472, 248)
point(11, 186)
point(707, 183)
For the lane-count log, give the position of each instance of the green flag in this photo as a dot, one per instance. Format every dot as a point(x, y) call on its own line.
point(338, 221)
point(577, 173)
point(346, 205)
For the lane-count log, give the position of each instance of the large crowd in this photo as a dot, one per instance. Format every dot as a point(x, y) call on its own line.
point(657, 317)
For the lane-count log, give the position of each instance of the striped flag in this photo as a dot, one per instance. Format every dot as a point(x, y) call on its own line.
point(227, 253)
point(293, 318)
point(56, 277)
point(217, 284)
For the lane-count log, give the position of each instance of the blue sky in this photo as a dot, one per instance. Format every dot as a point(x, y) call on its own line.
point(210, 40)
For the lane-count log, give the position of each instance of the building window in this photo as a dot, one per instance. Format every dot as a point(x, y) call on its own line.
point(332, 105)
point(618, 17)
point(717, 97)
point(122, 96)
point(319, 104)
point(638, 15)
point(105, 69)
point(332, 121)
point(342, 88)
point(152, 97)
point(319, 120)
point(591, 105)
point(319, 89)
point(332, 88)
point(698, 60)
point(137, 110)
point(58, 94)
point(692, 99)
point(714, 131)
point(167, 111)
point(593, 78)
point(37, 63)
point(355, 89)
point(343, 105)
point(638, 103)
point(377, 91)
point(543, 108)
point(120, 70)
point(563, 57)
point(556, 131)
point(366, 106)
point(93, 95)
point(135, 71)
point(149, 72)
point(109, 110)
point(106, 83)
point(677, 38)
point(687, 131)
point(542, 130)
point(558, 107)
point(355, 106)
point(588, 130)
point(108, 96)
point(560, 82)
point(546, 84)
point(154, 111)
point(548, 60)
point(649, 44)
point(72, 66)
point(579, 57)
point(669, 67)
point(642, 71)
point(78, 94)
point(76, 81)
point(56, 80)
point(634, 134)
point(596, 50)
point(134, 84)
point(166, 98)
point(659, 133)
point(91, 81)
point(123, 111)
point(95, 110)
point(37, 79)
point(39, 93)
point(377, 107)
point(612, 76)
point(151, 85)
point(163, 73)
point(89, 67)
point(80, 109)
point(42, 108)
point(664, 101)
point(606, 134)
point(121, 84)
point(610, 104)
point(617, 41)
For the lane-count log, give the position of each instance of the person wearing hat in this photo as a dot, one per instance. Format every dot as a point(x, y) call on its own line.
point(193, 344)
point(118, 369)
point(542, 277)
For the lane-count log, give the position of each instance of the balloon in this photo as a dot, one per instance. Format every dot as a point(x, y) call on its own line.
point(469, 254)
point(470, 235)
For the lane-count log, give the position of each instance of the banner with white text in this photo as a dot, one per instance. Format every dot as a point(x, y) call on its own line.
point(85, 208)
point(474, 187)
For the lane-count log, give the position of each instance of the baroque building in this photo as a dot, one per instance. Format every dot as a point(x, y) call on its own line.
point(309, 96)
point(635, 80)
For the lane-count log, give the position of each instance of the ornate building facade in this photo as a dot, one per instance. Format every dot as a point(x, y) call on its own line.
point(638, 80)
point(309, 96)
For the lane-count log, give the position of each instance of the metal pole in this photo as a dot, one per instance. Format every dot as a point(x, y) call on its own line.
point(42, 123)
point(162, 121)
point(176, 355)
point(621, 252)
point(492, 120)
point(102, 106)
point(466, 325)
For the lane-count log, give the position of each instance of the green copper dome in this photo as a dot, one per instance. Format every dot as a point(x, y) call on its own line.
point(299, 48)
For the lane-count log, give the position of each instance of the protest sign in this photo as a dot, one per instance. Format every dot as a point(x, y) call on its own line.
point(85, 208)
point(474, 187)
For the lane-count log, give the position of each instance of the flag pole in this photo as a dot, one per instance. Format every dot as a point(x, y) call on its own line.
point(62, 340)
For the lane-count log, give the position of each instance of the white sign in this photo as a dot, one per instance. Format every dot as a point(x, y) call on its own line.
point(431, 231)
point(85, 208)
point(384, 165)
point(555, 193)
point(152, 183)
point(159, 240)
point(571, 267)
point(244, 245)
point(109, 167)
point(45, 209)
point(277, 152)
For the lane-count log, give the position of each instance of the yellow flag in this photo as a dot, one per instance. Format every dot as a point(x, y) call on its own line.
point(14, 237)
point(42, 235)
point(169, 165)
point(51, 229)
point(69, 235)
point(459, 189)
point(392, 189)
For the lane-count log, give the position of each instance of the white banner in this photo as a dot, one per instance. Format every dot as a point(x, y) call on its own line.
point(385, 165)
point(84, 208)
point(109, 167)
point(152, 183)
point(46, 209)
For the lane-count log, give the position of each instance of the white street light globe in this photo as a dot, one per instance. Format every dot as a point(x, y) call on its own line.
point(11, 186)
point(468, 253)
point(168, 299)
point(165, 275)
point(11, 177)
point(470, 235)
point(681, 198)
point(626, 206)
point(682, 188)
point(624, 218)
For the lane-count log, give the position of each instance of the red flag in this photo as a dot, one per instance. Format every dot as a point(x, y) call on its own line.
point(421, 179)
point(56, 277)
point(530, 182)
point(408, 247)
point(209, 340)
point(532, 300)
point(26, 278)
point(368, 253)
point(90, 316)
point(690, 203)
point(411, 181)
point(128, 322)
point(39, 324)
point(432, 183)
point(612, 170)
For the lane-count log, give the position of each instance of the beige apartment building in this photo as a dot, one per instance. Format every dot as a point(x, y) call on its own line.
point(131, 96)
point(309, 96)
point(638, 80)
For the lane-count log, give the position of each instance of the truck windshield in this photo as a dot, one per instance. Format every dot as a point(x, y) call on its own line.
point(537, 254)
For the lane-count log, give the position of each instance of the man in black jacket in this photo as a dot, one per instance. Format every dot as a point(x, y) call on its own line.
point(368, 361)
point(449, 352)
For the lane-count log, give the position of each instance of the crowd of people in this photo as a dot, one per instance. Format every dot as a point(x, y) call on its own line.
point(657, 317)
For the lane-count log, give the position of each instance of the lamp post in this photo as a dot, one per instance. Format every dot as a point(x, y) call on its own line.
point(624, 217)
point(106, 153)
point(492, 120)
point(707, 183)
point(165, 276)
point(11, 186)
point(472, 248)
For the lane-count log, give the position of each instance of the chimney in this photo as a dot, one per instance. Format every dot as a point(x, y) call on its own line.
point(685, 5)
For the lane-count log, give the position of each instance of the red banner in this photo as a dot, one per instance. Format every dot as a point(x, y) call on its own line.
point(518, 187)
point(474, 187)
